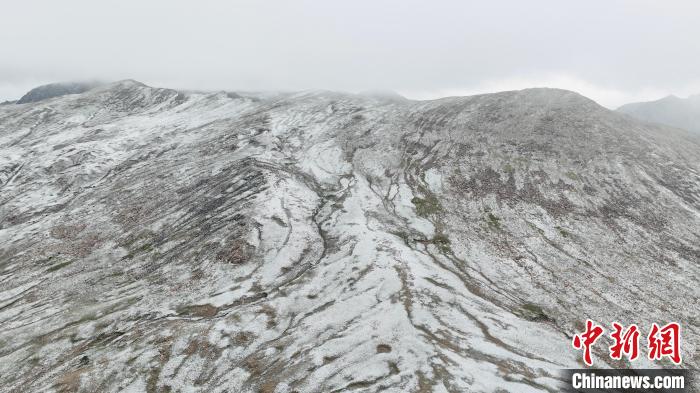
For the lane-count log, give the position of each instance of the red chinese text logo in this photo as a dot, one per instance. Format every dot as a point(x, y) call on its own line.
point(662, 341)
point(665, 341)
point(587, 339)
point(627, 343)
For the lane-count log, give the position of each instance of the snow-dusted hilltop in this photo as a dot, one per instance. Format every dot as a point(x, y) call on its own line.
point(671, 110)
point(53, 90)
point(154, 240)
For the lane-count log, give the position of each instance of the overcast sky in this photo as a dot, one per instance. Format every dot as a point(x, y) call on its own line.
point(611, 51)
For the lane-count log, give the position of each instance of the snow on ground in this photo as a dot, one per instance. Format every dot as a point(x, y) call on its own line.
point(153, 240)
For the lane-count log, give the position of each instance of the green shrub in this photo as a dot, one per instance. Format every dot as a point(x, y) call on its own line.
point(58, 266)
point(493, 221)
point(571, 175)
point(426, 206)
point(563, 232)
point(442, 242)
point(534, 312)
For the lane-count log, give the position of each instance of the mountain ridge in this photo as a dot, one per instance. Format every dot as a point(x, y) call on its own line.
point(53, 90)
point(155, 239)
point(671, 110)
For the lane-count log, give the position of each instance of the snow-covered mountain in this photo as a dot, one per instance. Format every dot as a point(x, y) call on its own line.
point(55, 90)
point(673, 111)
point(155, 240)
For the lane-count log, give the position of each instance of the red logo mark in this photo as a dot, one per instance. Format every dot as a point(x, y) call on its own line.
point(627, 343)
point(587, 339)
point(665, 341)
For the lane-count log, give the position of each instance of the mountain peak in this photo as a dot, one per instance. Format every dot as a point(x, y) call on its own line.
point(670, 110)
point(129, 83)
point(52, 90)
point(383, 95)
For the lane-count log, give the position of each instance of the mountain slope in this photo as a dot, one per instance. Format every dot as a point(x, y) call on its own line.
point(320, 242)
point(671, 110)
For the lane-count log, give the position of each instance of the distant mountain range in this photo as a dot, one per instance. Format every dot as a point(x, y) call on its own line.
point(671, 110)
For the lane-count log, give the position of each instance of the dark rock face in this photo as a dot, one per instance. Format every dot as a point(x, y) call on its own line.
point(153, 240)
point(673, 111)
point(54, 90)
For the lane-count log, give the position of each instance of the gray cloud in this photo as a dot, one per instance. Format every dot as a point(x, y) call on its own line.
point(612, 51)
